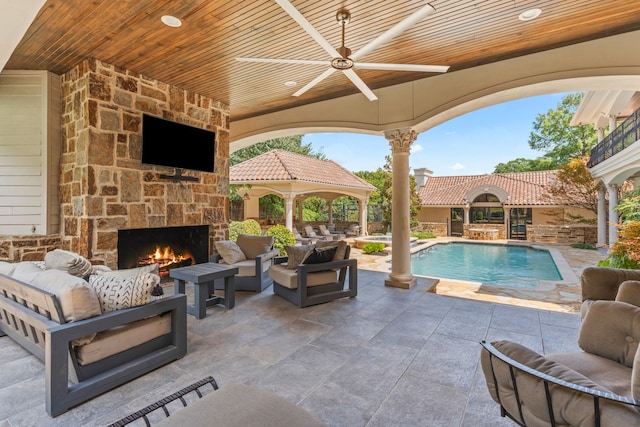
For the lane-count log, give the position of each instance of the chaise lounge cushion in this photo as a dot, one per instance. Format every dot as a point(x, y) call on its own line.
point(289, 278)
point(77, 299)
point(252, 246)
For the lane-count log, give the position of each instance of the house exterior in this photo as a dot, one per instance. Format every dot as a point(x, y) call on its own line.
point(500, 206)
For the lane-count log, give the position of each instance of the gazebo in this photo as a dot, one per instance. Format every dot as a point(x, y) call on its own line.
point(295, 177)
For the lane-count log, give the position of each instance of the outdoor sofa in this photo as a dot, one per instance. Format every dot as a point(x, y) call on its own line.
point(92, 335)
point(599, 385)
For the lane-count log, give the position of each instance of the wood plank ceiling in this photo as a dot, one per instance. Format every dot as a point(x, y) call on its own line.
point(199, 56)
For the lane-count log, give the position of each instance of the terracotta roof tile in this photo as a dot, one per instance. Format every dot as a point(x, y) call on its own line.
point(280, 165)
point(524, 188)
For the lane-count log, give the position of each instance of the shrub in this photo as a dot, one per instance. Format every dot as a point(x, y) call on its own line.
point(249, 226)
point(373, 247)
point(626, 250)
point(423, 235)
point(583, 246)
point(282, 237)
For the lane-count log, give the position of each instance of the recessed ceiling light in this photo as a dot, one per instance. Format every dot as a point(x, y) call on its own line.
point(530, 14)
point(290, 83)
point(171, 21)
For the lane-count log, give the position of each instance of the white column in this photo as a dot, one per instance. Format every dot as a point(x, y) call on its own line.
point(612, 123)
point(288, 210)
point(362, 204)
point(613, 215)
point(600, 134)
point(330, 203)
point(507, 221)
point(300, 212)
point(400, 141)
point(467, 208)
point(602, 217)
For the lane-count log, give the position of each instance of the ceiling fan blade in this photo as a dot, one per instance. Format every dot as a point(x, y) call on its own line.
point(306, 25)
point(394, 31)
point(284, 61)
point(402, 67)
point(314, 82)
point(360, 84)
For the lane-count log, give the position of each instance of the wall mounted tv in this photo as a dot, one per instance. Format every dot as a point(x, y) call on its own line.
point(176, 145)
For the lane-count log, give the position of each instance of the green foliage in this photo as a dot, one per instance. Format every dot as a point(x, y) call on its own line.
point(249, 226)
point(629, 206)
point(272, 206)
point(370, 248)
point(315, 208)
point(626, 250)
point(525, 165)
point(376, 179)
point(282, 237)
point(553, 134)
point(583, 246)
point(422, 235)
point(287, 143)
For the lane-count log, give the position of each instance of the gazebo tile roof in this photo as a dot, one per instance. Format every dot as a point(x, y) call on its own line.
point(281, 165)
point(524, 188)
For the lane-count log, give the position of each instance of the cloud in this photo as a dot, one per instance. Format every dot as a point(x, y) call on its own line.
point(416, 148)
point(457, 166)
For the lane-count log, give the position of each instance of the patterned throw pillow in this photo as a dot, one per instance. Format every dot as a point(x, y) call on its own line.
point(320, 255)
point(116, 293)
point(296, 254)
point(230, 251)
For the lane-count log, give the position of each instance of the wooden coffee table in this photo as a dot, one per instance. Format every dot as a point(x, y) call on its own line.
point(203, 277)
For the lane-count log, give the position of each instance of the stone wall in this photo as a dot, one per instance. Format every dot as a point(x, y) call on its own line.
point(438, 229)
point(567, 234)
point(104, 187)
point(28, 248)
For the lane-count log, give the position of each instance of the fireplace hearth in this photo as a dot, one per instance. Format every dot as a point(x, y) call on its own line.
point(170, 247)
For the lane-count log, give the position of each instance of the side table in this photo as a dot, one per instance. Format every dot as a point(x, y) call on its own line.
point(203, 277)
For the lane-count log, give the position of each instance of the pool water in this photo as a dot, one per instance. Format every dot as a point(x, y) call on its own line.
point(502, 265)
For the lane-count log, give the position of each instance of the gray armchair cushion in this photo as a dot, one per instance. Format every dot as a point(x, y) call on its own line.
point(611, 329)
point(629, 292)
point(252, 246)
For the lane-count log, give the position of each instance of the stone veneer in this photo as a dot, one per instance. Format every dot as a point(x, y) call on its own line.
point(103, 185)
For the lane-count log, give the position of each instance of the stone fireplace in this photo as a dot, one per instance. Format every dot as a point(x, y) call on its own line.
point(105, 190)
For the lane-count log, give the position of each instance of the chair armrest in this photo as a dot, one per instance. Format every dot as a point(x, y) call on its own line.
point(303, 269)
point(268, 255)
point(603, 282)
point(215, 257)
point(280, 260)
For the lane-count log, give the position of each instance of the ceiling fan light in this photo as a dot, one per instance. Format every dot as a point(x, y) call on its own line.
point(342, 63)
point(530, 14)
point(290, 83)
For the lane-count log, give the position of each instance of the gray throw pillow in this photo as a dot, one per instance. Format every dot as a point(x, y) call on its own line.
point(230, 251)
point(297, 254)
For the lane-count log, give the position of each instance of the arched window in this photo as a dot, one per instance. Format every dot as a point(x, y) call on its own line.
point(486, 208)
point(486, 198)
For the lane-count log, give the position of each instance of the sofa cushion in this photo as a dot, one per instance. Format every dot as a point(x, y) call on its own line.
point(77, 299)
point(71, 262)
point(7, 268)
point(289, 278)
point(115, 340)
point(246, 268)
point(126, 272)
point(635, 377)
point(341, 248)
point(629, 292)
point(116, 293)
point(230, 251)
point(611, 329)
point(252, 246)
point(297, 254)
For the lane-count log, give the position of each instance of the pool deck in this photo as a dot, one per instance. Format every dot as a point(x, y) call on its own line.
point(561, 296)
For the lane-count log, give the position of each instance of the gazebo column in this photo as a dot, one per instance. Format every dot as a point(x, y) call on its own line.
point(288, 210)
point(602, 217)
point(400, 141)
point(613, 215)
point(300, 212)
point(330, 204)
point(362, 204)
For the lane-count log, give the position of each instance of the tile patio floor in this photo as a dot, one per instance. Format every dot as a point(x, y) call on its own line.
point(389, 357)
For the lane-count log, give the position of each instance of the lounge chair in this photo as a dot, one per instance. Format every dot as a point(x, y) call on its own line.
point(324, 231)
point(300, 239)
point(352, 231)
point(310, 233)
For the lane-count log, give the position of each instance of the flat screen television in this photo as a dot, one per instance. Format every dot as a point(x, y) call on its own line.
point(176, 145)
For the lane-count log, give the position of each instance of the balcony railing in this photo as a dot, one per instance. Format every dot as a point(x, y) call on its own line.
point(621, 137)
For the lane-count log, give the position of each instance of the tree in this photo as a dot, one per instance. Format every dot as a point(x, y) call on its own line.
point(574, 186)
point(554, 136)
point(375, 178)
point(287, 143)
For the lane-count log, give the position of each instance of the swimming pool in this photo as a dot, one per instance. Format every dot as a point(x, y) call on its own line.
point(502, 265)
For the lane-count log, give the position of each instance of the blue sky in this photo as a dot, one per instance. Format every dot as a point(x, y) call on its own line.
point(471, 144)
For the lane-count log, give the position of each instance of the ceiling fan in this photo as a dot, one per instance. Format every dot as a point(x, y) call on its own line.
point(345, 61)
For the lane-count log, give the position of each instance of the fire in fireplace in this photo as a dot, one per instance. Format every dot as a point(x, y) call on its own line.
point(170, 247)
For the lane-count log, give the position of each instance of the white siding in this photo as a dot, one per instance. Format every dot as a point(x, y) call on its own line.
point(29, 152)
